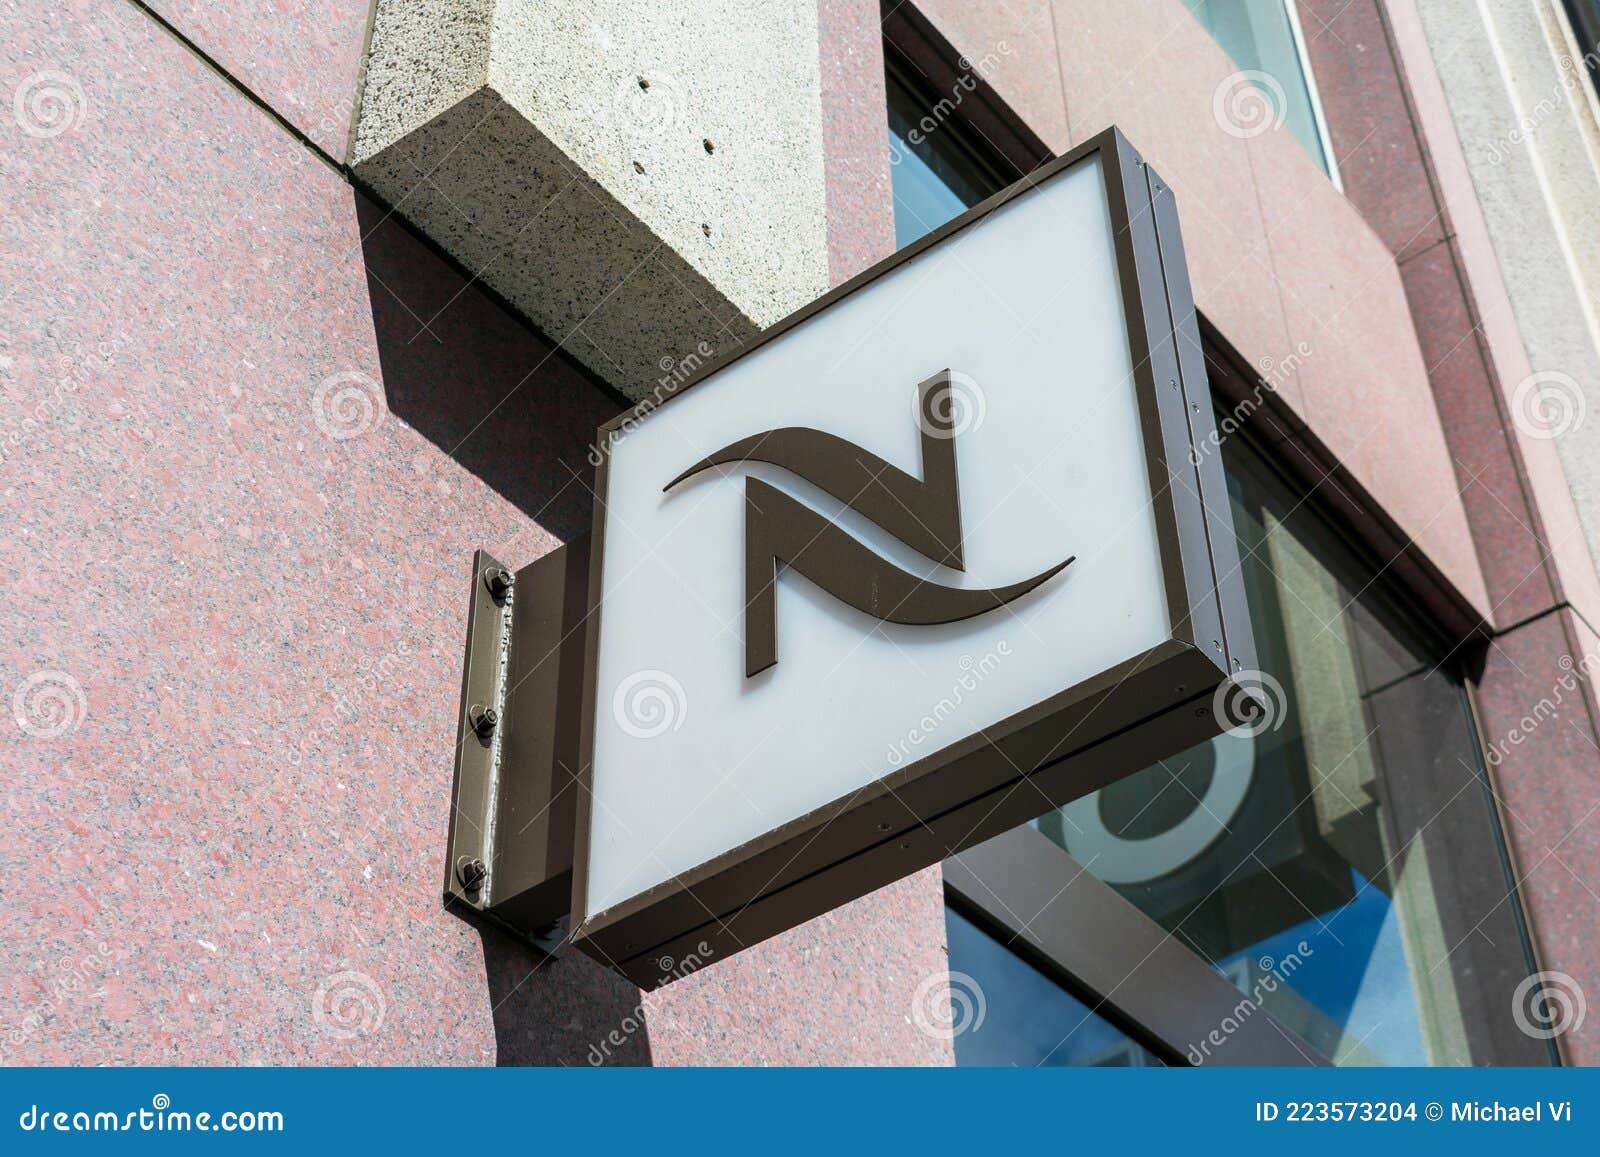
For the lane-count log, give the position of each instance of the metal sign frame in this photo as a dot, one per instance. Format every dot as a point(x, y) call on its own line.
point(1073, 743)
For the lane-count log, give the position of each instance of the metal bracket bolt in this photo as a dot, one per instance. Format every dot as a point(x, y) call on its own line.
point(472, 873)
point(483, 719)
point(498, 579)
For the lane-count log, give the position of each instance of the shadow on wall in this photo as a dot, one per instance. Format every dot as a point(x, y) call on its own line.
point(562, 1011)
point(477, 382)
point(495, 397)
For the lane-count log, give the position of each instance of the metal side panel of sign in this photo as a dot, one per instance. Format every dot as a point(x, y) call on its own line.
point(946, 550)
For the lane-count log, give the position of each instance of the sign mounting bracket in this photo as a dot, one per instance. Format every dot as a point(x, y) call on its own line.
point(513, 803)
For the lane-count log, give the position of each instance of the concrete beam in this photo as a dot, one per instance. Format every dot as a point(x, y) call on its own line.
point(643, 180)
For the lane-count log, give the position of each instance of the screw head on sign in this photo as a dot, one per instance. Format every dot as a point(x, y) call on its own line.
point(471, 872)
point(498, 579)
point(483, 719)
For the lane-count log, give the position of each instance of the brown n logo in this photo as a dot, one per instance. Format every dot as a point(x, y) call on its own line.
point(924, 513)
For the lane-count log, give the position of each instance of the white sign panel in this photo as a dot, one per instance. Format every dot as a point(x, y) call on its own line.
point(838, 573)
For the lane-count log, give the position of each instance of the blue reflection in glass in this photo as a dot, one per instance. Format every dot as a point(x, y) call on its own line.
point(922, 202)
point(1259, 36)
point(934, 173)
point(1013, 1014)
point(1358, 981)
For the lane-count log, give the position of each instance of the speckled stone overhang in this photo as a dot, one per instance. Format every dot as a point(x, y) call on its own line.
point(644, 183)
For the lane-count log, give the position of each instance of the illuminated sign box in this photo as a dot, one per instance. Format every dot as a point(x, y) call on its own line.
point(946, 550)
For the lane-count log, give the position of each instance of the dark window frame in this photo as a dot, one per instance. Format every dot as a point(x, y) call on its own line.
point(1583, 17)
point(1133, 973)
point(928, 65)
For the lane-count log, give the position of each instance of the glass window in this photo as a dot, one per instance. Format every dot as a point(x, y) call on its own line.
point(1358, 823)
point(935, 173)
point(1006, 1012)
point(1354, 835)
point(1263, 37)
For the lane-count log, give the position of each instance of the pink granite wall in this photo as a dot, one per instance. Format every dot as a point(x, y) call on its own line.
point(252, 431)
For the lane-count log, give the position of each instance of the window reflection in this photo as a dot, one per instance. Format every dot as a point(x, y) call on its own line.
point(934, 173)
point(1262, 38)
point(1009, 1013)
point(1359, 824)
point(1358, 821)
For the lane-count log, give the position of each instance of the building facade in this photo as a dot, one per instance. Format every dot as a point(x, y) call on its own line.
point(302, 306)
